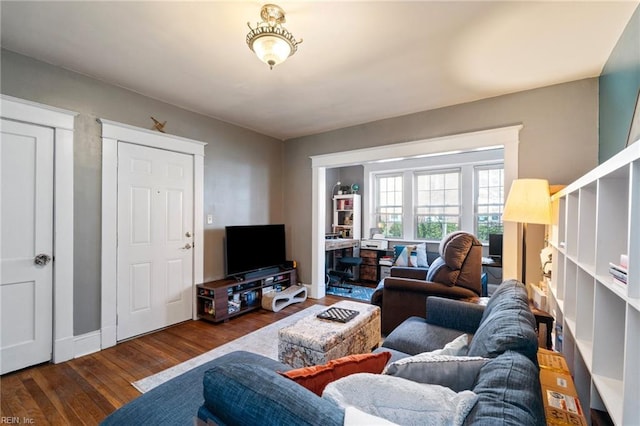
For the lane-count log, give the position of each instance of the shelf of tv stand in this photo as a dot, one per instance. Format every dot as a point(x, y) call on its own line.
point(214, 298)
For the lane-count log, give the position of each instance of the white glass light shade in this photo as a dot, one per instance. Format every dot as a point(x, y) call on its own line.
point(528, 202)
point(271, 49)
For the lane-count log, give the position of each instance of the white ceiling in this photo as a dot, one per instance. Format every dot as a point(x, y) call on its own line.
point(360, 61)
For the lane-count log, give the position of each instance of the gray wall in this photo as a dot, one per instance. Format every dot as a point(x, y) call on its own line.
point(619, 86)
point(559, 142)
point(242, 171)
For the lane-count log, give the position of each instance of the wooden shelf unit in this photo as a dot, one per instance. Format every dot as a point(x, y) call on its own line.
point(595, 220)
point(223, 299)
point(370, 267)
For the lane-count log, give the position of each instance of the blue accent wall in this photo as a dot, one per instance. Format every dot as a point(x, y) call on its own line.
point(619, 86)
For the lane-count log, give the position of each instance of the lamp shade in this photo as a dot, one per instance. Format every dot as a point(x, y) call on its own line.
point(528, 202)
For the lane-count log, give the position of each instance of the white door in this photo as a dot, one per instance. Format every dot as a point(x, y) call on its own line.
point(26, 159)
point(155, 237)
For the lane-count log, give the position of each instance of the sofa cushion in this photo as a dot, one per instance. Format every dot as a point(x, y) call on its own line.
point(415, 336)
point(245, 394)
point(454, 314)
point(316, 377)
point(508, 389)
point(457, 373)
point(401, 401)
point(507, 324)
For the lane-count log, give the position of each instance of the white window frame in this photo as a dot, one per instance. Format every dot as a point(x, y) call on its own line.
point(376, 193)
point(476, 185)
point(435, 171)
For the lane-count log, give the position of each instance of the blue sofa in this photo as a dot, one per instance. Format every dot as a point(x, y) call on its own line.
point(245, 389)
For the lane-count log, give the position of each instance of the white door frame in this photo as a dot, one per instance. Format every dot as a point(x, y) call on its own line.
point(62, 123)
point(507, 137)
point(112, 133)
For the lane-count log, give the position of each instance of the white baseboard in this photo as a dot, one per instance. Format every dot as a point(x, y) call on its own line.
point(63, 349)
point(87, 343)
point(109, 336)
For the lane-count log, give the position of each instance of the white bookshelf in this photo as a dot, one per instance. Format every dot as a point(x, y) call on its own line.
point(596, 219)
point(347, 216)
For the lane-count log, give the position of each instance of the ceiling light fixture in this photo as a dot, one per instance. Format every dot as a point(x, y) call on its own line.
point(269, 40)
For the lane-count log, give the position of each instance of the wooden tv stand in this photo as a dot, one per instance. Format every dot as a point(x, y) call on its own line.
point(223, 299)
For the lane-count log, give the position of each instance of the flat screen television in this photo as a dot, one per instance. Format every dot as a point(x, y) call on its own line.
point(250, 248)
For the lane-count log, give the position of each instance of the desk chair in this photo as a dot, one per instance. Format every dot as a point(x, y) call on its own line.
point(344, 271)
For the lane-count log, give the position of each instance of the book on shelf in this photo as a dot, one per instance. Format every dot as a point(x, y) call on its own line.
point(619, 268)
point(618, 272)
point(386, 261)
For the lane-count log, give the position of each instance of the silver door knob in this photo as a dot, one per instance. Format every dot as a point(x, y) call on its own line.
point(42, 259)
point(187, 246)
point(188, 234)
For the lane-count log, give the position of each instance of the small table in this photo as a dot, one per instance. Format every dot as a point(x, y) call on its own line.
point(545, 318)
point(541, 317)
point(315, 341)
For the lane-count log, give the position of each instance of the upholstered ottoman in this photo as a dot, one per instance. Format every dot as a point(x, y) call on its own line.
point(313, 341)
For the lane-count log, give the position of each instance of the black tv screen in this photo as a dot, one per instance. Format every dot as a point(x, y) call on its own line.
point(253, 247)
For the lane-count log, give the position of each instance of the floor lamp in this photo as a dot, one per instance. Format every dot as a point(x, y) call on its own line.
point(528, 202)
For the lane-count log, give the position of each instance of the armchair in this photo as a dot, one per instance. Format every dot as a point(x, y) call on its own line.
point(456, 274)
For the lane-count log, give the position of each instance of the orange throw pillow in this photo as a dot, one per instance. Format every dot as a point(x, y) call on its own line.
point(317, 377)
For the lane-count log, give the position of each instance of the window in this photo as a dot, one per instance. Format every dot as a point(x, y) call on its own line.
point(389, 204)
point(489, 201)
point(426, 198)
point(437, 204)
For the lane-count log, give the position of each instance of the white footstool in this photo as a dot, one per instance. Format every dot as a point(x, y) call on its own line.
point(278, 300)
point(314, 341)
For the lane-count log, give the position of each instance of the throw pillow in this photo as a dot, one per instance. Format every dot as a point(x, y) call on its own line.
point(402, 259)
point(401, 401)
point(316, 377)
point(457, 373)
point(421, 256)
point(355, 417)
point(457, 347)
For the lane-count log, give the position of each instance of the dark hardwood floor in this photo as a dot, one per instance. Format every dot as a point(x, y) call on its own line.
point(87, 389)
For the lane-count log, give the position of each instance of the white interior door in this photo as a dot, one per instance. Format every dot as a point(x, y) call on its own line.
point(26, 159)
point(155, 239)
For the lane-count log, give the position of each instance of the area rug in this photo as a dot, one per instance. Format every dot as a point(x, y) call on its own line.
point(263, 341)
point(352, 291)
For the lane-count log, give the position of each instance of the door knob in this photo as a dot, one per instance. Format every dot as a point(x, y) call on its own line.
point(42, 259)
point(188, 234)
point(187, 246)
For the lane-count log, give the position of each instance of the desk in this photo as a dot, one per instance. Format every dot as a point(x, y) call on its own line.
point(340, 243)
point(333, 244)
point(491, 263)
point(370, 267)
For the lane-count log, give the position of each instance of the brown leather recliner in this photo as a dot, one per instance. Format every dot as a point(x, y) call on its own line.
point(456, 274)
